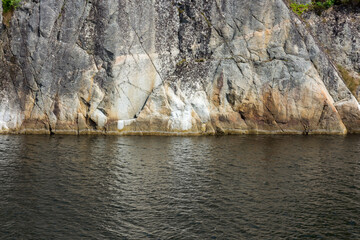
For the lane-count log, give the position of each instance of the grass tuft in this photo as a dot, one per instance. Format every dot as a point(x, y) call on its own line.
point(10, 5)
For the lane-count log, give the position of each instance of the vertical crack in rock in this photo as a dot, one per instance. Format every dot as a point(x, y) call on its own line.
point(176, 67)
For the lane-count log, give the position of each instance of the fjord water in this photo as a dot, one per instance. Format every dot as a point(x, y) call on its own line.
point(231, 187)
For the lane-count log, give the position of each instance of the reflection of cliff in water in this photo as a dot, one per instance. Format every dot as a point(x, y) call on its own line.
point(160, 187)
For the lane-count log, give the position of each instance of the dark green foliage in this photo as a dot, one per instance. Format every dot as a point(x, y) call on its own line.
point(9, 5)
point(320, 5)
point(329, 3)
point(299, 9)
point(324, 4)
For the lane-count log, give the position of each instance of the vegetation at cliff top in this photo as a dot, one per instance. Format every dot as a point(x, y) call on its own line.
point(9, 5)
point(299, 8)
point(319, 6)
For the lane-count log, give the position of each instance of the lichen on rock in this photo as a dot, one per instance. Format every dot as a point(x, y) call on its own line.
point(168, 67)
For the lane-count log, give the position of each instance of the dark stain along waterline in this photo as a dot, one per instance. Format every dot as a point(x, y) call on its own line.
point(231, 187)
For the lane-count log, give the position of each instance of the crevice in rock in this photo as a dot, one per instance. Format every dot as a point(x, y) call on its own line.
point(129, 100)
point(51, 130)
point(306, 126)
point(148, 55)
point(91, 123)
point(322, 113)
point(219, 131)
point(242, 115)
point(274, 117)
point(142, 108)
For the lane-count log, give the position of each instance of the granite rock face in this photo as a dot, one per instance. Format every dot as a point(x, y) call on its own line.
point(338, 31)
point(1, 17)
point(303, 1)
point(167, 67)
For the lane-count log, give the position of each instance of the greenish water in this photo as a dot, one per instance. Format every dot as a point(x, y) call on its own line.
point(231, 187)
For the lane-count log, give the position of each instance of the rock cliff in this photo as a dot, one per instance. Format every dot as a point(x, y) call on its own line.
point(1, 17)
point(167, 67)
point(338, 31)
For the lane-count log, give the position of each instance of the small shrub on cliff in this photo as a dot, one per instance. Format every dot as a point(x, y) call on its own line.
point(9, 5)
point(319, 6)
point(324, 4)
point(298, 8)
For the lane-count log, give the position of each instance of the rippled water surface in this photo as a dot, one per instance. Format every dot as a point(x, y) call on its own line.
point(231, 187)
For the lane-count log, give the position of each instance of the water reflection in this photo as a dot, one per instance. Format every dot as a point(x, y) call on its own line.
point(231, 187)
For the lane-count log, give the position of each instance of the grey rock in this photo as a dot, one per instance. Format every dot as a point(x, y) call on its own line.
point(1, 17)
point(338, 32)
point(167, 67)
point(303, 1)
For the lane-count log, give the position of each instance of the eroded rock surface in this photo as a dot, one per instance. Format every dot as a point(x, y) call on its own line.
point(1, 17)
point(167, 67)
point(338, 31)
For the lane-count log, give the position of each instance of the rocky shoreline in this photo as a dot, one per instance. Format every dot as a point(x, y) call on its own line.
point(179, 67)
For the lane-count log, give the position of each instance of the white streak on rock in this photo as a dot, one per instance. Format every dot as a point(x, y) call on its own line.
point(122, 123)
